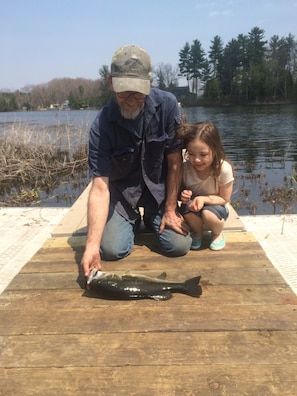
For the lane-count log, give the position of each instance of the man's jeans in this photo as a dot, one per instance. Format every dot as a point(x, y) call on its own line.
point(118, 237)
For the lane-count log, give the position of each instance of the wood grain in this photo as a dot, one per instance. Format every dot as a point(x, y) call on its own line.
point(238, 338)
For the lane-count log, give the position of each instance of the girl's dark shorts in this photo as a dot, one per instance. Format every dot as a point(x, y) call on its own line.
point(219, 210)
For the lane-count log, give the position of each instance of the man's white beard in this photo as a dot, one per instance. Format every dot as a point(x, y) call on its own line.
point(130, 115)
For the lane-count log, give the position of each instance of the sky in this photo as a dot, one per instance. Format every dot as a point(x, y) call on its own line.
point(45, 39)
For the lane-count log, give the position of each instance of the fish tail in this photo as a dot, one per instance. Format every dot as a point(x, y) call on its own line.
point(192, 287)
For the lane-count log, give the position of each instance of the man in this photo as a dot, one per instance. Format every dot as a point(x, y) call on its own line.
point(135, 161)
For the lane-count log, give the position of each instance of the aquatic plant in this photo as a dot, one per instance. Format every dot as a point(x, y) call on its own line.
point(35, 163)
point(48, 166)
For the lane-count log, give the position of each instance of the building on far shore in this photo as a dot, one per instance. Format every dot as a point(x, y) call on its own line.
point(183, 94)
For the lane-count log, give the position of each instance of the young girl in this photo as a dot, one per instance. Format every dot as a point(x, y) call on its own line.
point(207, 183)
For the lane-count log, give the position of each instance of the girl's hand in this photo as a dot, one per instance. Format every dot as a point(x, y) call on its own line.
point(186, 196)
point(197, 204)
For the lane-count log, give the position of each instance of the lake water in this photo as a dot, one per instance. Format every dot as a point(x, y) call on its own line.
point(48, 118)
point(261, 141)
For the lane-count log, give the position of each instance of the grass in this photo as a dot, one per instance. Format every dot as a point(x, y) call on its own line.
point(35, 162)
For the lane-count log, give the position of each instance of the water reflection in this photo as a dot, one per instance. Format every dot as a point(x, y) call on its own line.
point(252, 133)
point(262, 143)
point(260, 140)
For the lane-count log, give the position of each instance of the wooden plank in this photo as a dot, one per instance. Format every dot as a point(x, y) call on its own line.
point(148, 317)
point(142, 254)
point(75, 220)
point(199, 379)
point(118, 349)
point(146, 238)
point(239, 338)
point(235, 295)
point(145, 246)
point(221, 276)
point(212, 295)
point(145, 243)
point(59, 262)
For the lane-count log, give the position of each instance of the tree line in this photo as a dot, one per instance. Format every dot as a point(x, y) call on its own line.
point(248, 69)
point(79, 92)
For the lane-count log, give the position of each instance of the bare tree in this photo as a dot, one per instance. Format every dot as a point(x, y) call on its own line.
point(165, 76)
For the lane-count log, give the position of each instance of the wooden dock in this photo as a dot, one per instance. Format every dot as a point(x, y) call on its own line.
point(74, 222)
point(239, 338)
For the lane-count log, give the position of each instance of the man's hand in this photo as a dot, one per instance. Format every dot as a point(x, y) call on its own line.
point(98, 204)
point(175, 221)
point(91, 259)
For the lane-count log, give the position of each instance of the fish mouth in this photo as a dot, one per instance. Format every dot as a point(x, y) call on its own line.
point(94, 274)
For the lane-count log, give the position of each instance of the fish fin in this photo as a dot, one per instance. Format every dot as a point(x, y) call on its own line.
point(192, 287)
point(160, 295)
point(162, 276)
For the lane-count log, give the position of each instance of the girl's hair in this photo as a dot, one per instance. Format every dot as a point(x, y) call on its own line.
point(208, 133)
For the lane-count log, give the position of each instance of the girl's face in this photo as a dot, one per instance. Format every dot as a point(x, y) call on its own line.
point(200, 155)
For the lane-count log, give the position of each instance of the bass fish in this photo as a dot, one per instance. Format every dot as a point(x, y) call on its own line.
point(132, 286)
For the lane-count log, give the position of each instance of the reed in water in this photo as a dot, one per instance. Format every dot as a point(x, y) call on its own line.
point(35, 161)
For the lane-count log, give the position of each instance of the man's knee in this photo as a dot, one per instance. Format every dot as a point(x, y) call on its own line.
point(175, 245)
point(113, 252)
point(118, 238)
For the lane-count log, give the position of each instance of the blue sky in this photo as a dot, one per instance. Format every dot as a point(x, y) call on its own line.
point(45, 39)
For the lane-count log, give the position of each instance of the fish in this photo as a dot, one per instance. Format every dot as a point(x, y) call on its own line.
point(129, 286)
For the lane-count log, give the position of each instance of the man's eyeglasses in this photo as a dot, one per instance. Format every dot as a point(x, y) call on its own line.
point(127, 94)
